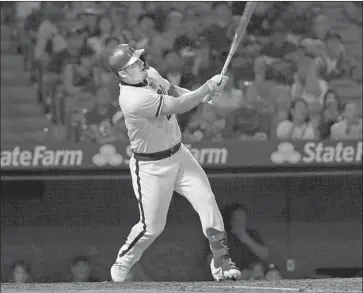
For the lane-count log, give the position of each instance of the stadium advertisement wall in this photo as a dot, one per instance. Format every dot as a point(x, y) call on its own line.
point(226, 154)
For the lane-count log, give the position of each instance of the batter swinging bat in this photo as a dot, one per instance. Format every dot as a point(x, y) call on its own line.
point(240, 31)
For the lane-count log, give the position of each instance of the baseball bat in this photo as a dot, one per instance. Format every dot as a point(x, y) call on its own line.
point(240, 31)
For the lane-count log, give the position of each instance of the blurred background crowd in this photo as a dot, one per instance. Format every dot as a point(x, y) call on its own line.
point(296, 75)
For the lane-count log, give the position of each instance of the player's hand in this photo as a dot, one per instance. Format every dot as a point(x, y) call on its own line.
point(217, 83)
point(211, 98)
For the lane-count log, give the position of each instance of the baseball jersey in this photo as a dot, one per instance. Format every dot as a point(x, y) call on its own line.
point(141, 105)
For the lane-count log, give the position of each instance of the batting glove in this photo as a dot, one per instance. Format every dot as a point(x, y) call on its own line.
point(217, 83)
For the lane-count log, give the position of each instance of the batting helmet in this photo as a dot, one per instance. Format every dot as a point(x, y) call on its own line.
point(120, 57)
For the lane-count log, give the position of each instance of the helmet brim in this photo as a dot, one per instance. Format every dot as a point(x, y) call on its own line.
point(134, 57)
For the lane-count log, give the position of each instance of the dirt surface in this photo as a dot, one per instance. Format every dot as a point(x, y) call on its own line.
point(306, 286)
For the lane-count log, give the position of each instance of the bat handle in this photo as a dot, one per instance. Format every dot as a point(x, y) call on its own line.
point(219, 83)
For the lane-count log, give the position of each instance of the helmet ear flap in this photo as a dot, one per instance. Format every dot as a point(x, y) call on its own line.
point(143, 59)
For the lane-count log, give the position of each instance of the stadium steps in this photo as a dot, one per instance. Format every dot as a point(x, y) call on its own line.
point(24, 124)
point(7, 47)
point(20, 110)
point(19, 139)
point(16, 78)
point(22, 118)
point(24, 128)
point(347, 88)
point(5, 32)
point(10, 93)
point(11, 63)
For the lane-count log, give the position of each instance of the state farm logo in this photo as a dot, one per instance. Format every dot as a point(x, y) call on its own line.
point(285, 154)
point(319, 152)
point(107, 155)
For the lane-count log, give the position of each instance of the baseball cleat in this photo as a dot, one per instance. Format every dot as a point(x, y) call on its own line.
point(119, 273)
point(226, 271)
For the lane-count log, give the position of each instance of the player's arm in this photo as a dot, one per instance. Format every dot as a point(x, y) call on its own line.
point(189, 100)
point(173, 90)
point(177, 91)
point(154, 105)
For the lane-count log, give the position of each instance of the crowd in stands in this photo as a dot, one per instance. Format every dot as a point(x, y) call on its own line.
point(279, 80)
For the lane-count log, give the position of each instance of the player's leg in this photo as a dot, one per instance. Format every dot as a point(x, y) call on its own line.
point(153, 184)
point(193, 184)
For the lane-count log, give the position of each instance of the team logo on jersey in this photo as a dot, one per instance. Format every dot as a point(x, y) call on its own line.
point(107, 155)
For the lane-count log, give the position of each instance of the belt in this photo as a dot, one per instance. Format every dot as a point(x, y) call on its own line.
point(158, 155)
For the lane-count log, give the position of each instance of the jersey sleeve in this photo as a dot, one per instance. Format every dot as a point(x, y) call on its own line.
point(148, 106)
point(156, 78)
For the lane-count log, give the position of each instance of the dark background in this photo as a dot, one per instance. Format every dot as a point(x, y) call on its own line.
point(315, 220)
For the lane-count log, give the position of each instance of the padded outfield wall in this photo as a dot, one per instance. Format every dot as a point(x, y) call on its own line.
point(314, 218)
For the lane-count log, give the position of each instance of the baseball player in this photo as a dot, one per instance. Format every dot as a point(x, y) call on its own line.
point(161, 163)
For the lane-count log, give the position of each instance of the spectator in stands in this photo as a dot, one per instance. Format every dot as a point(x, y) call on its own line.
point(315, 118)
point(274, 54)
point(280, 100)
point(320, 26)
point(79, 75)
point(158, 11)
point(246, 245)
point(350, 127)
point(31, 25)
point(135, 9)
point(80, 79)
point(297, 18)
point(75, 44)
point(20, 272)
point(263, 20)
point(171, 31)
point(248, 122)
point(277, 47)
point(173, 69)
point(49, 41)
point(104, 121)
point(90, 18)
point(105, 75)
point(330, 114)
point(217, 35)
point(50, 50)
point(334, 62)
point(145, 31)
point(8, 12)
point(205, 62)
point(297, 126)
point(112, 42)
point(22, 10)
point(106, 30)
point(308, 82)
point(206, 123)
point(81, 269)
